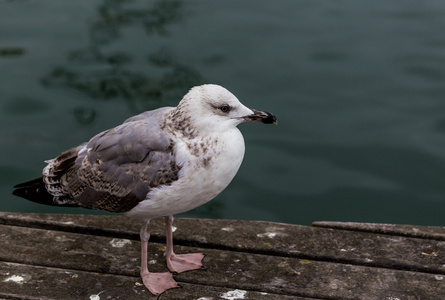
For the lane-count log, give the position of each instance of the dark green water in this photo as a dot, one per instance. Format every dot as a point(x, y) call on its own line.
point(358, 88)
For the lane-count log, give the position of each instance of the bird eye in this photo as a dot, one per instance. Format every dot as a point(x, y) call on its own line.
point(224, 108)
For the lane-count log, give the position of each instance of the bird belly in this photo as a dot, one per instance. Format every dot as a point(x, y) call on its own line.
point(202, 177)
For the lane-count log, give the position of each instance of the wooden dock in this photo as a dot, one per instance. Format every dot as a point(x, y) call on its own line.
point(46, 256)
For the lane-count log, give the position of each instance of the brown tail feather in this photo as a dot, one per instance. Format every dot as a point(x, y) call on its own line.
point(48, 189)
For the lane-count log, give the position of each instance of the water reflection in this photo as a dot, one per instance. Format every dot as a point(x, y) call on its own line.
point(11, 52)
point(84, 115)
point(105, 69)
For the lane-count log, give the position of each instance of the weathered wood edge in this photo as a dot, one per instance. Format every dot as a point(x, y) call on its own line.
point(423, 232)
point(286, 240)
point(237, 270)
point(36, 282)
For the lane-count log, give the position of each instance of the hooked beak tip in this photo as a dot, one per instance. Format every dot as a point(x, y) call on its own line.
point(262, 116)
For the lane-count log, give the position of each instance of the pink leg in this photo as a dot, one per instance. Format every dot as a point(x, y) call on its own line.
point(156, 283)
point(180, 262)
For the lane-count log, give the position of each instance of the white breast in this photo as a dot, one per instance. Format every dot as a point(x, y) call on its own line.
point(208, 166)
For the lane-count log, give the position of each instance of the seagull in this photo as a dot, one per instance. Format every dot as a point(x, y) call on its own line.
point(156, 164)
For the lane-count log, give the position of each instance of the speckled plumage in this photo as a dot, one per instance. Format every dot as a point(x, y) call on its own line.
point(117, 168)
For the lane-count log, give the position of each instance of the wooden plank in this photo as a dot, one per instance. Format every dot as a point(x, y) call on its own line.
point(261, 273)
point(424, 232)
point(121, 257)
point(19, 281)
point(313, 243)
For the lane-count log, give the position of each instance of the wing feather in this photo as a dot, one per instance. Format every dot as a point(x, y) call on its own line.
point(114, 171)
point(123, 164)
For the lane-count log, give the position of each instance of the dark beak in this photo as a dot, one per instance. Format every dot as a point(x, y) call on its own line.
point(261, 116)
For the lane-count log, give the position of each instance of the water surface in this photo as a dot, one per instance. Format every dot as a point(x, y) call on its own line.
point(357, 87)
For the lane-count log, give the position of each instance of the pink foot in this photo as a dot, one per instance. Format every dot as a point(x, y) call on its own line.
point(179, 263)
point(157, 283)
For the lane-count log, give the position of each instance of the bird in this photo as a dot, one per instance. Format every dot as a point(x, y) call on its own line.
point(155, 164)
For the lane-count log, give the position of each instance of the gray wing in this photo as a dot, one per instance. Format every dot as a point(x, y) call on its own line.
point(122, 165)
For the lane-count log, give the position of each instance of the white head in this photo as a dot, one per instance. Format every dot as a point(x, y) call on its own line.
point(211, 107)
